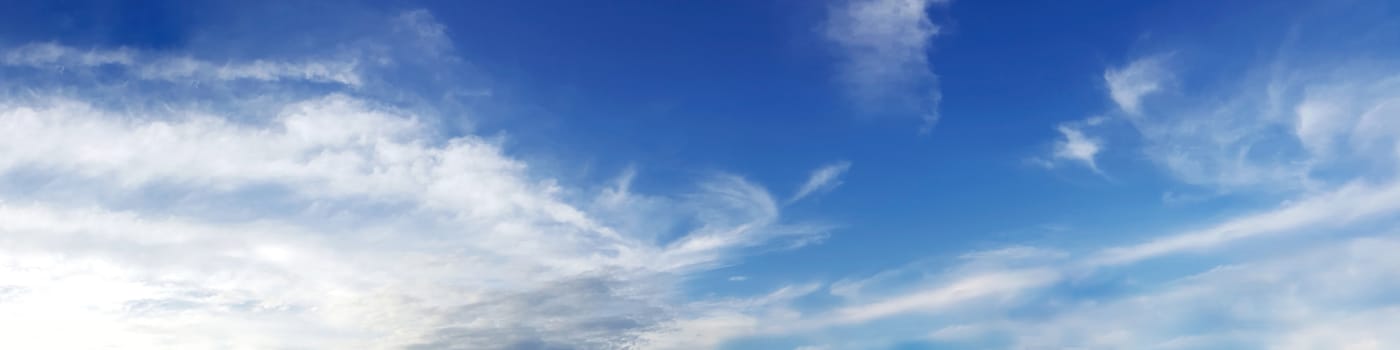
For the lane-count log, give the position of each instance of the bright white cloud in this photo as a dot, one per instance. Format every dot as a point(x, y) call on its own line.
point(326, 219)
point(823, 179)
point(884, 44)
point(471, 224)
point(336, 219)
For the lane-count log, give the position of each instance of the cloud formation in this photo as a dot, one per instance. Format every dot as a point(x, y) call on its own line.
point(327, 217)
point(1128, 85)
point(1075, 145)
point(1308, 273)
point(884, 48)
point(823, 179)
point(182, 68)
point(334, 216)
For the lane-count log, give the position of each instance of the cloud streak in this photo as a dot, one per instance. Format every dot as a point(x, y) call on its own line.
point(823, 179)
point(182, 69)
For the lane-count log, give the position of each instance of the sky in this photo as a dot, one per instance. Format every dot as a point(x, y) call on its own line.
point(764, 174)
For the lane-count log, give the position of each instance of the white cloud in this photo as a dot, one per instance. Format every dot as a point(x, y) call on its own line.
point(324, 218)
point(960, 292)
point(1278, 129)
point(1356, 201)
point(1077, 147)
point(1012, 254)
point(54, 55)
point(823, 179)
point(884, 44)
point(1326, 296)
point(1310, 273)
point(1130, 84)
point(189, 69)
point(183, 69)
point(342, 220)
point(1348, 114)
point(709, 324)
point(1311, 295)
point(471, 226)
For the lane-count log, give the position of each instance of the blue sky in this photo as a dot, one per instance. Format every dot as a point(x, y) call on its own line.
point(772, 174)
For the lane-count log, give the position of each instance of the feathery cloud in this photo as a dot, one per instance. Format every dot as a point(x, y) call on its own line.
point(823, 179)
point(328, 216)
point(1128, 85)
point(884, 47)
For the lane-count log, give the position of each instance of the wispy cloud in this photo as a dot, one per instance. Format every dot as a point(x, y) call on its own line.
point(327, 216)
point(1128, 85)
point(184, 69)
point(1277, 128)
point(1075, 145)
point(1356, 201)
point(1261, 268)
point(884, 45)
point(458, 207)
point(823, 179)
point(1317, 298)
point(333, 217)
point(960, 292)
point(54, 55)
point(1307, 273)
